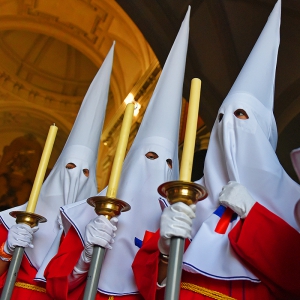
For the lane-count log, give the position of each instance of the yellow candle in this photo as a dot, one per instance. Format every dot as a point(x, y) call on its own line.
point(40, 174)
point(190, 131)
point(120, 152)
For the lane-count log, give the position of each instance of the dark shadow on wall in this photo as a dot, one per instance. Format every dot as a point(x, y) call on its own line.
point(18, 167)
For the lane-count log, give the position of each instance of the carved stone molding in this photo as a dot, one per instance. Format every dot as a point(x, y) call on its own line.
point(23, 91)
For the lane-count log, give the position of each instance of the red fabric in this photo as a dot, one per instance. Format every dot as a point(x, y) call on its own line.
point(238, 289)
point(147, 236)
point(270, 248)
point(224, 221)
point(26, 275)
point(266, 244)
point(62, 265)
point(145, 267)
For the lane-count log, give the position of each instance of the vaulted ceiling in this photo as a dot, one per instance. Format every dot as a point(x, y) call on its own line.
point(49, 54)
point(222, 34)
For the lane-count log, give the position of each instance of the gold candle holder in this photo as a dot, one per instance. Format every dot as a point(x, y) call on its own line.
point(107, 206)
point(182, 191)
point(29, 218)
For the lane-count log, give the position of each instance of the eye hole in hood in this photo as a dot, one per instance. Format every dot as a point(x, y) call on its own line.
point(169, 163)
point(86, 172)
point(220, 117)
point(70, 165)
point(151, 155)
point(241, 114)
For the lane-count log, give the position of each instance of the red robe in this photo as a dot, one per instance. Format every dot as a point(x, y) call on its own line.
point(62, 265)
point(266, 244)
point(26, 275)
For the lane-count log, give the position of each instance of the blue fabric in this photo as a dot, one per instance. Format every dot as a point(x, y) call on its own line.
point(138, 242)
point(220, 211)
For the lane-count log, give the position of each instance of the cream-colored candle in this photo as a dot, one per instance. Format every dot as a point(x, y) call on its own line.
point(120, 152)
point(190, 131)
point(40, 174)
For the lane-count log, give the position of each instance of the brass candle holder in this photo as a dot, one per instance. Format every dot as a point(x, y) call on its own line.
point(29, 218)
point(22, 217)
point(170, 266)
point(182, 191)
point(108, 207)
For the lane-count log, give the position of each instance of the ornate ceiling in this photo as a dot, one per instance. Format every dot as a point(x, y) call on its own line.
point(49, 54)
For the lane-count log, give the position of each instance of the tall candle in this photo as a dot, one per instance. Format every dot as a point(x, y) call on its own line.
point(40, 174)
point(120, 152)
point(190, 131)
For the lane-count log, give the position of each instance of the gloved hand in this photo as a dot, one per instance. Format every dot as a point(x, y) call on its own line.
point(176, 220)
point(101, 232)
point(59, 221)
point(19, 235)
point(236, 197)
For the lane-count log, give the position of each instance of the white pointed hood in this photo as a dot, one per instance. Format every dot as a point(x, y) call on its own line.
point(141, 176)
point(257, 76)
point(244, 151)
point(63, 185)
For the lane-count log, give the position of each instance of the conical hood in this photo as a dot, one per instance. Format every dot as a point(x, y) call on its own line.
point(257, 77)
point(241, 148)
point(162, 117)
point(88, 125)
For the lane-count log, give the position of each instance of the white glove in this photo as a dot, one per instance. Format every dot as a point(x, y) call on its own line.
point(101, 232)
point(176, 220)
point(77, 276)
point(236, 197)
point(59, 221)
point(19, 235)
